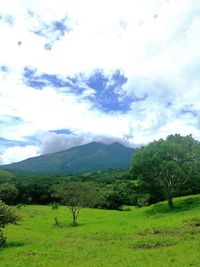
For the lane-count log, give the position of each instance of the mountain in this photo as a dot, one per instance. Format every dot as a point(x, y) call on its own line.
point(85, 158)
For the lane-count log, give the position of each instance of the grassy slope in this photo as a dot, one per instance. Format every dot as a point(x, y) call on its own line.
point(151, 236)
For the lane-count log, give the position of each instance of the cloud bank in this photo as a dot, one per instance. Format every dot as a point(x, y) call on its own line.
point(77, 71)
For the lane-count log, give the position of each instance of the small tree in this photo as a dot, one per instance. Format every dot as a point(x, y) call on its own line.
point(75, 195)
point(7, 216)
point(167, 165)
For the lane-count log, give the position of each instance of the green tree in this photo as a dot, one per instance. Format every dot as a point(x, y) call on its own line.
point(5, 176)
point(75, 195)
point(7, 216)
point(164, 166)
point(8, 193)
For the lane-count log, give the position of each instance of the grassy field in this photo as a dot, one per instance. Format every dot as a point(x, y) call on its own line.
point(151, 236)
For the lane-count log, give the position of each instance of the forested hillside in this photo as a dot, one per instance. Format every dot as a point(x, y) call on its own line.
point(86, 158)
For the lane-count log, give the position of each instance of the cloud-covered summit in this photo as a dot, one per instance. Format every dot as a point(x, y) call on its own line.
point(108, 71)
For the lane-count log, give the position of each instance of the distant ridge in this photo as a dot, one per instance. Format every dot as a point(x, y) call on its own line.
point(85, 158)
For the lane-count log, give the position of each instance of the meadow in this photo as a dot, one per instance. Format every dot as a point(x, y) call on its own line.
point(148, 236)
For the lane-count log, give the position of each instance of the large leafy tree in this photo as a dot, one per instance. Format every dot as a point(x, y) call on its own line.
point(164, 166)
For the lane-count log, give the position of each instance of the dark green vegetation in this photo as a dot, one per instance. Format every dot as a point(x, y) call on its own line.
point(112, 188)
point(86, 158)
point(162, 170)
point(7, 216)
point(149, 236)
point(168, 167)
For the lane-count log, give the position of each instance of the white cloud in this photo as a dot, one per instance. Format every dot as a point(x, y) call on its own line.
point(17, 153)
point(154, 43)
point(51, 142)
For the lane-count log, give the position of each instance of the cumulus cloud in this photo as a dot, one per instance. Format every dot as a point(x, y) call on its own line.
point(50, 52)
point(51, 142)
point(18, 153)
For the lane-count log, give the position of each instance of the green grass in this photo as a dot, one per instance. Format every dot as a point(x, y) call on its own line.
point(151, 236)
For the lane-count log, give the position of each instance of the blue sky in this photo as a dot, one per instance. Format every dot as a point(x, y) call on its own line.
point(73, 72)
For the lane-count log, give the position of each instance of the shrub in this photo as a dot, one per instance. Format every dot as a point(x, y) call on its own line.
point(110, 200)
point(55, 205)
point(195, 222)
point(2, 239)
point(143, 200)
point(7, 216)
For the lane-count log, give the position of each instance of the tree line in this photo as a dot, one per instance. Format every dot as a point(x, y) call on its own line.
point(113, 187)
point(161, 170)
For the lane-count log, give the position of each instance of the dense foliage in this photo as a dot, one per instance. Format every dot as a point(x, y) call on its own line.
point(167, 168)
point(7, 216)
point(90, 157)
point(161, 170)
point(112, 187)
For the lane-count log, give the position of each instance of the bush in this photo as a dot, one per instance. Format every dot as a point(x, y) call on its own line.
point(7, 216)
point(2, 239)
point(193, 222)
point(55, 205)
point(110, 200)
point(143, 200)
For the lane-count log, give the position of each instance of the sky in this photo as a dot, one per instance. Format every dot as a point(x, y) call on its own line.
point(73, 72)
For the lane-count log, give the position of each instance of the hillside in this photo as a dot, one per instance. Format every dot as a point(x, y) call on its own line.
point(150, 236)
point(86, 158)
